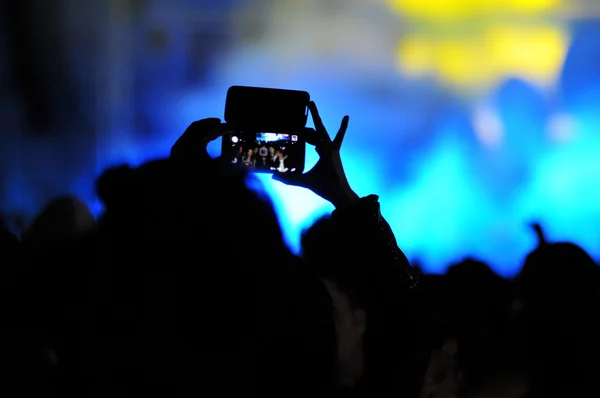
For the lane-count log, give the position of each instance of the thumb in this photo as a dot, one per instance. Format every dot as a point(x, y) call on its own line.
point(200, 132)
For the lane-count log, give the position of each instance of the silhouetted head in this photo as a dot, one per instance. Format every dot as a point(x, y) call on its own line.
point(348, 297)
point(351, 324)
point(558, 280)
point(215, 317)
point(475, 303)
point(63, 218)
point(195, 203)
point(365, 293)
point(558, 288)
point(9, 243)
point(472, 292)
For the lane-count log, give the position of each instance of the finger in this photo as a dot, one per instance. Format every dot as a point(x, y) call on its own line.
point(339, 137)
point(311, 137)
point(289, 179)
point(319, 127)
point(196, 137)
point(314, 112)
point(204, 124)
point(205, 130)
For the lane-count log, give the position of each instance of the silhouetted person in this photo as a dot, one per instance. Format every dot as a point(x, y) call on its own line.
point(249, 159)
point(281, 162)
point(62, 219)
point(476, 304)
point(18, 362)
point(54, 282)
point(383, 345)
point(9, 245)
point(195, 311)
point(558, 289)
point(272, 157)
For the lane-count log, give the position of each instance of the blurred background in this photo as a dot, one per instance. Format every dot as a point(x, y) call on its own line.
point(469, 118)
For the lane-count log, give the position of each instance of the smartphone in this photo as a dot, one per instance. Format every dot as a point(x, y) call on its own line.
point(266, 129)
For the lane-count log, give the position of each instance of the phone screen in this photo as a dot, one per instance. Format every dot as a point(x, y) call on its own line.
point(265, 152)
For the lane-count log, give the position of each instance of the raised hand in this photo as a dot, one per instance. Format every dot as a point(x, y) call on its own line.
point(327, 179)
point(539, 232)
point(191, 146)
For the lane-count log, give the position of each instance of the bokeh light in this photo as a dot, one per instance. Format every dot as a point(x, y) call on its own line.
point(444, 10)
point(478, 43)
point(469, 118)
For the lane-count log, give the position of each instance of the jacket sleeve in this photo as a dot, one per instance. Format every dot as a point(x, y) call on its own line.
point(368, 236)
point(371, 263)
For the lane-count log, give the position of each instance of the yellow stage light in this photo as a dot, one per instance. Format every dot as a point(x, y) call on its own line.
point(435, 10)
point(477, 43)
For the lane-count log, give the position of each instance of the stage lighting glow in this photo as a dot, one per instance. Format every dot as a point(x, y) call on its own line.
point(472, 44)
point(444, 10)
point(493, 132)
point(488, 127)
point(535, 53)
point(562, 128)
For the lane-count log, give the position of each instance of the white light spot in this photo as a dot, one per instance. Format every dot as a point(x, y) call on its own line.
point(562, 128)
point(489, 128)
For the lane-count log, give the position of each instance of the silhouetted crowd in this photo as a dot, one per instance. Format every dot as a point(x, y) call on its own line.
point(158, 297)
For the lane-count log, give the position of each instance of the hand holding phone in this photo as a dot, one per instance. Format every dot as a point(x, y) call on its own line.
point(327, 179)
point(191, 146)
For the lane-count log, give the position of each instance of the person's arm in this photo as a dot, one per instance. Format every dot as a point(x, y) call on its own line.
point(358, 221)
point(357, 246)
point(362, 221)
